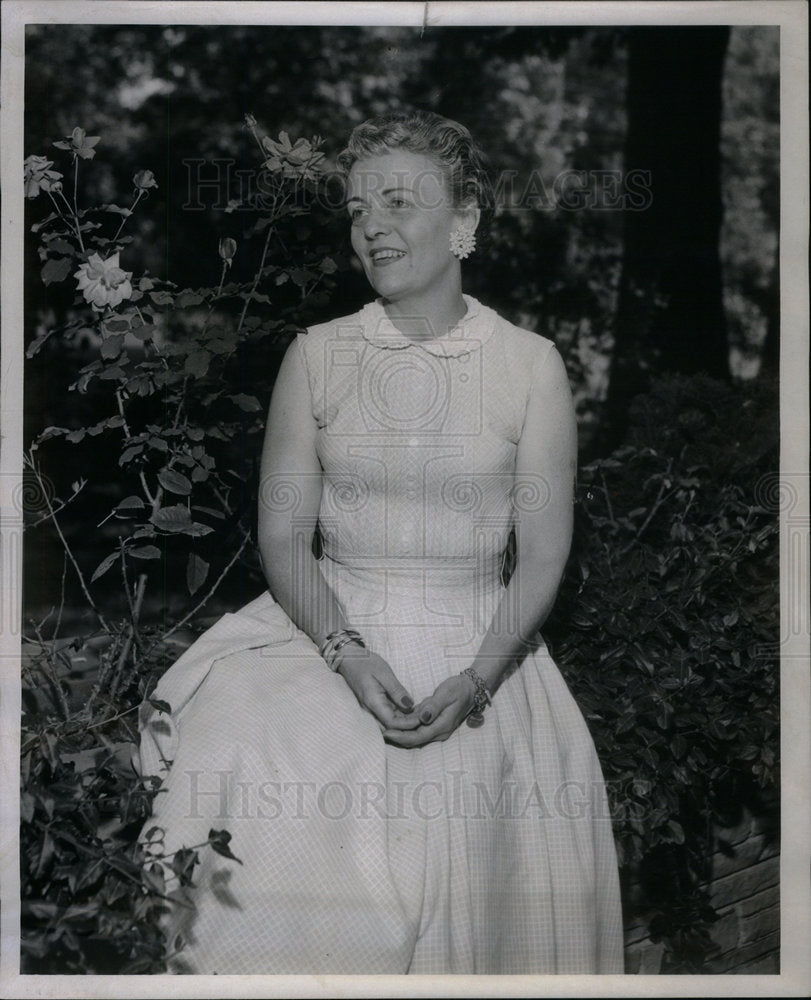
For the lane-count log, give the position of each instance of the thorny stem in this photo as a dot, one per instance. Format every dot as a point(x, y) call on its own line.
point(68, 220)
point(123, 553)
point(125, 425)
point(61, 597)
point(183, 621)
point(132, 633)
point(607, 495)
point(62, 505)
point(255, 279)
point(103, 622)
point(255, 134)
point(53, 677)
point(126, 217)
point(657, 503)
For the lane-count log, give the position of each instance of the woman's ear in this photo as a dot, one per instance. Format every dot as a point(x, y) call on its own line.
point(469, 216)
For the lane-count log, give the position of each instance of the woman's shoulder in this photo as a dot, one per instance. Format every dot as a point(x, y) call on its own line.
point(517, 342)
point(349, 326)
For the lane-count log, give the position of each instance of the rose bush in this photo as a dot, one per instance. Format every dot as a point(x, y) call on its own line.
point(162, 470)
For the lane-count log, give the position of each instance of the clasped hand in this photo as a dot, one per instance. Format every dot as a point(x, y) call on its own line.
point(401, 721)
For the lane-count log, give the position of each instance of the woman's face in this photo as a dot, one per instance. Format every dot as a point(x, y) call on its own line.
point(402, 216)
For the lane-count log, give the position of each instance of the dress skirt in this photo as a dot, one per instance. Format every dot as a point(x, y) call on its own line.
point(490, 852)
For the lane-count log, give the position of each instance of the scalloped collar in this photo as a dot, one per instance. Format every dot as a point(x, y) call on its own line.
point(474, 329)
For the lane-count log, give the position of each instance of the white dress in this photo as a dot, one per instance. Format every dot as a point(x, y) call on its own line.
point(491, 852)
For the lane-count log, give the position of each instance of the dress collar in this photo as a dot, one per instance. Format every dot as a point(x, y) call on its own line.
point(474, 329)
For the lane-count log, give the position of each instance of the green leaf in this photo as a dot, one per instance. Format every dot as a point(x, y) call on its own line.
point(196, 572)
point(197, 363)
point(172, 519)
point(118, 325)
point(103, 566)
point(111, 346)
point(145, 552)
point(248, 403)
point(219, 840)
point(130, 453)
point(183, 864)
point(174, 482)
point(188, 298)
point(160, 706)
point(131, 503)
point(56, 269)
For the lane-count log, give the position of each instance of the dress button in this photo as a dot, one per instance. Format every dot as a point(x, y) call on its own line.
point(412, 442)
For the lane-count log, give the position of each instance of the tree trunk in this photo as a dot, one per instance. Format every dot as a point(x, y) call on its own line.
point(670, 312)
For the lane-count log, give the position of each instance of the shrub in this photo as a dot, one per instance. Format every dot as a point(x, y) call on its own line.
point(667, 630)
point(160, 469)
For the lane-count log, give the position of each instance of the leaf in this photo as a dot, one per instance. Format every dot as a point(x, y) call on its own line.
point(219, 840)
point(56, 269)
point(250, 404)
point(328, 265)
point(197, 363)
point(118, 325)
point(196, 572)
point(300, 276)
point(162, 298)
point(103, 566)
point(111, 346)
point(172, 519)
point(113, 372)
point(130, 453)
point(174, 482)
point(183, 864)
point(131, 503)
point(160, 706)
point(145, 552)
point(188, 298)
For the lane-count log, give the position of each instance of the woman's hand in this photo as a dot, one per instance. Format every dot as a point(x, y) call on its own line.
point(438, 716)
point(377, 689)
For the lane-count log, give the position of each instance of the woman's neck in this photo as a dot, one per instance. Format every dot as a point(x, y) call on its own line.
point(429, 317)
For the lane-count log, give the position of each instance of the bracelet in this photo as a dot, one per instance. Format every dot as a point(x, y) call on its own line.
point(481, 699)
point(335, 641)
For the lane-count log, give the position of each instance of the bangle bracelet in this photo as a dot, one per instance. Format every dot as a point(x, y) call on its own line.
point(337, 640)
point(481, 699)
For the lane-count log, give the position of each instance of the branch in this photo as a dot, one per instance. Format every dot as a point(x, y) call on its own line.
point(90, 601)
point(183, 621)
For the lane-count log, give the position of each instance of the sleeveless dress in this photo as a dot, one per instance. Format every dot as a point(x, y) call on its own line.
point(490, 852)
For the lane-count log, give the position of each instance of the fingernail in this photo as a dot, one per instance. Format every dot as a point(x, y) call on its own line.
point(426, 717)
point(408, 702)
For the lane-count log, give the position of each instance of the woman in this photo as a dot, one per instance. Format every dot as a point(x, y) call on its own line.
point(397, 759)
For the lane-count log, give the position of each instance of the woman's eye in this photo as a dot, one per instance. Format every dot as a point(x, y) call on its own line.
point(399, 203)
point(356, 214)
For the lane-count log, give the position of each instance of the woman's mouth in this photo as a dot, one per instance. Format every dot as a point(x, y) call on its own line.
point(385, 256)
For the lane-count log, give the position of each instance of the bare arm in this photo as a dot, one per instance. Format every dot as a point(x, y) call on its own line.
point(546, 462)
point(289, 501)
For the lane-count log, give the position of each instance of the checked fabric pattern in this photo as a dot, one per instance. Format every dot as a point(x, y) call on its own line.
point(491, 852)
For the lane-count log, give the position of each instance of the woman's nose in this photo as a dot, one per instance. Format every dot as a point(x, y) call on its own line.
point(376, 223)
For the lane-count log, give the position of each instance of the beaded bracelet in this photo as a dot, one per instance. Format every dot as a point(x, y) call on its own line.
point(335, 641)
point(481, 699)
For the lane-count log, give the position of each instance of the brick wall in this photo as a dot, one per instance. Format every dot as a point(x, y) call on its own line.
point(744, 890)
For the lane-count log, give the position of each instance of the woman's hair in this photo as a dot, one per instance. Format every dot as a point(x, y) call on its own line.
point(446, 142)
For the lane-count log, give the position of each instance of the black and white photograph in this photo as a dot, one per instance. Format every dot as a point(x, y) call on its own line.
point(405, 499)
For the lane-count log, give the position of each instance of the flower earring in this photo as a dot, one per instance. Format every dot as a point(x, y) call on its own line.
point(462, 241)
